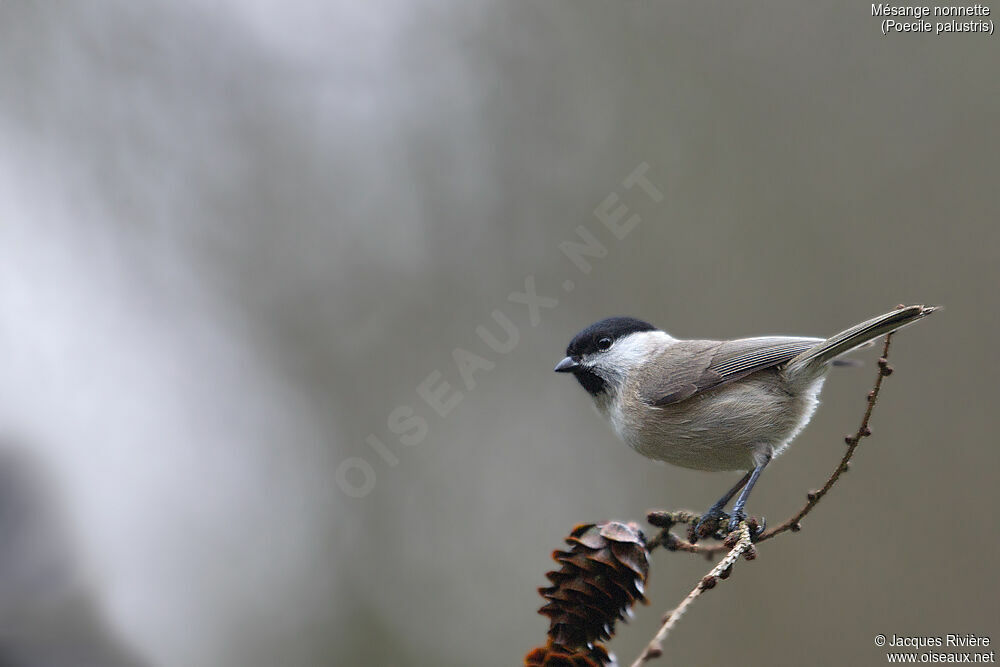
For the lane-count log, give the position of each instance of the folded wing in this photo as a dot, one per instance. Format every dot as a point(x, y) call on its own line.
point(691, 367)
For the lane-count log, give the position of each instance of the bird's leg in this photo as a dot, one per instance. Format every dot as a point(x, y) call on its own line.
point(738, 513)
point(716, 511)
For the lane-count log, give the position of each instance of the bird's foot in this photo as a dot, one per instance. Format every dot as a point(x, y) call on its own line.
point(734, 521)
point(715, 523)
point(709, 525)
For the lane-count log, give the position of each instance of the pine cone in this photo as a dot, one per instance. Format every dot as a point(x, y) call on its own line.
point(602, 576)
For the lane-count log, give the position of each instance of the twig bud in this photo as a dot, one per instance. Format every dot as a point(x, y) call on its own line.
point(884, 367)
point(660, 519)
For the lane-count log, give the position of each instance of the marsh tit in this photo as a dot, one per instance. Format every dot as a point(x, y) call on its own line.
point(710, 404)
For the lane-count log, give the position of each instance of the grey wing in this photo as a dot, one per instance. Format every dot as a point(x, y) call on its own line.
point(690, 367)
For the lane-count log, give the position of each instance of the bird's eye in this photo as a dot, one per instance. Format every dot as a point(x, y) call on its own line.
point(604, 344)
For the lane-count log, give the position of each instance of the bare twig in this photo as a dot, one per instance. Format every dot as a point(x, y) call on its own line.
point(665, 520)
point(813, 497)
point(743, 546)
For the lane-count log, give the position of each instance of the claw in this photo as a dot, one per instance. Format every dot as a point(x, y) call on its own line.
point(761, 527)
point(734, 520)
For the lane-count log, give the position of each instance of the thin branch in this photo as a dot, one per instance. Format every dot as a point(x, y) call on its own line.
point(744, 546)
point(813, 497)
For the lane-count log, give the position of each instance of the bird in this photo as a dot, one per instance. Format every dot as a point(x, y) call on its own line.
point(715, 405)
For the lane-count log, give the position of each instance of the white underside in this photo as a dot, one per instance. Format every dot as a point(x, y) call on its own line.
point(729, 428)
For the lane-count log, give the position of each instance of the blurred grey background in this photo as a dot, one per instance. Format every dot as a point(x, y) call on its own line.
point(235, 237)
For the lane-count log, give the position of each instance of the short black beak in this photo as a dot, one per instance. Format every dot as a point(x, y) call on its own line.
point(567, 365)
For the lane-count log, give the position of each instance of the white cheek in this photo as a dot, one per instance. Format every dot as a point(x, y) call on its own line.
point(629, 352)
point(626, 354)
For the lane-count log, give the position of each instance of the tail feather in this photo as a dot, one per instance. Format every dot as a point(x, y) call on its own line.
point(858, 335)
